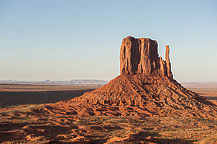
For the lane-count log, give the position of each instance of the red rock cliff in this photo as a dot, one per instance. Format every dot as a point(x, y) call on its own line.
point(141, 56)
point(168, 64)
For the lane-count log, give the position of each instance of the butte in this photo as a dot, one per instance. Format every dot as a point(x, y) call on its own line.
point(145, 87)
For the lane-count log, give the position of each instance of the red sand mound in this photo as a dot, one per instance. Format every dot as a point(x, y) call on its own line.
point(145, 88)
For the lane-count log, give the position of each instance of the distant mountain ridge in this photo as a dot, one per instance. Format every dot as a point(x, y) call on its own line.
point(71, 82)
point(199, 84)
point(78, 82)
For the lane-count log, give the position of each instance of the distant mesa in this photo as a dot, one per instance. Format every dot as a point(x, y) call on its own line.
point(145, 87)
point(78, 82)
point(71, 82)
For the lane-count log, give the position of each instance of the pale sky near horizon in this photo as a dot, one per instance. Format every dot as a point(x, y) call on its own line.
point(80, 39)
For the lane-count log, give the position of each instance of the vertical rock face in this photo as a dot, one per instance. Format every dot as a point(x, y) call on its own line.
point(138, 56)
point(168, 64)
point(141, 56)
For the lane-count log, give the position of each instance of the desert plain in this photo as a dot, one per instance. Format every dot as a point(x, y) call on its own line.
point(21, 123)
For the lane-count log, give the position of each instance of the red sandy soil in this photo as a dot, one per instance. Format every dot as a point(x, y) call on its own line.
point(29, 124)
point(32, 124)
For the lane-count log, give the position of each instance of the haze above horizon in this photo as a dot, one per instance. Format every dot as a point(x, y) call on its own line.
point(64, 40)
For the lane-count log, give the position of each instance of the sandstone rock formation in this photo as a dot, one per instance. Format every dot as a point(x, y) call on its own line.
point(168, 65)
point(145, 87)
point(140, 56)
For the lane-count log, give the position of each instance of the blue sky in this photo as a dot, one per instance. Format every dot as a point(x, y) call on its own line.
point(80, 39)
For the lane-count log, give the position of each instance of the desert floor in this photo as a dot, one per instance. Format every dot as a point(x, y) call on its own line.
point(22, 122)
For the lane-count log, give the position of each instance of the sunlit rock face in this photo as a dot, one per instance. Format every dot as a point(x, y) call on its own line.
point(140, 56)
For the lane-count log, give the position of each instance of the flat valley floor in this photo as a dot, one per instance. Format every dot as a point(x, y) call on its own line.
point(22, 122)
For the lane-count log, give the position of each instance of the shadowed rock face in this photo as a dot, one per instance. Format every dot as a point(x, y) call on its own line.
point(140, 56)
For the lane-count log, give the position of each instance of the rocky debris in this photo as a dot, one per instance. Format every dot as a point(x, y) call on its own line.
point(145, 87)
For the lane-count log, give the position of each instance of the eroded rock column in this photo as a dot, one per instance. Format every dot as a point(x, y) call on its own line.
point(168, 64)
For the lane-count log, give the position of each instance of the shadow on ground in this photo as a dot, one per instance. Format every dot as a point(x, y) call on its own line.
point(21, 98)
